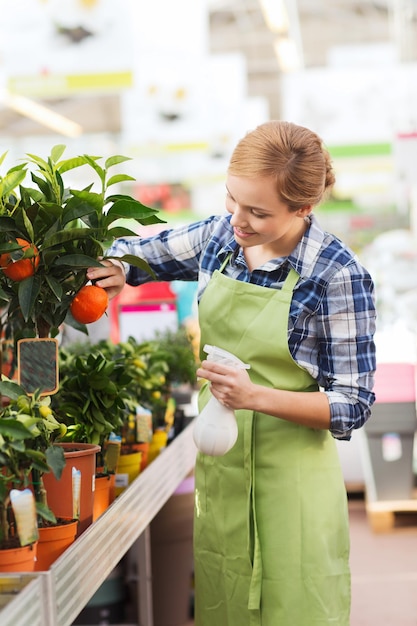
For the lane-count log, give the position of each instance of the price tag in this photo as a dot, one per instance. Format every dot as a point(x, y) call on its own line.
point(37, 362)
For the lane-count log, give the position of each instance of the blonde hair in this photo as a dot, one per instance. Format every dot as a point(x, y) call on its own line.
point(293, 155)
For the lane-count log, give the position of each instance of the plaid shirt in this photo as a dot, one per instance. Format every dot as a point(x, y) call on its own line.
point(332, 314)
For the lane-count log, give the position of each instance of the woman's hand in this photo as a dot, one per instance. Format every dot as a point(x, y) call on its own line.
point(111, 277)
point(231, 386)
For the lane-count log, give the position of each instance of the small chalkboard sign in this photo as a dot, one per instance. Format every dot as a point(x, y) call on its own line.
point(37, 361)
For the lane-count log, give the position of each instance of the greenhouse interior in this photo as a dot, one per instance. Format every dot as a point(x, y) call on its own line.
point(138, 379)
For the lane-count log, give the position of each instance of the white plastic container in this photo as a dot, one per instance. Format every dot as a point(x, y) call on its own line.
point(215, 430)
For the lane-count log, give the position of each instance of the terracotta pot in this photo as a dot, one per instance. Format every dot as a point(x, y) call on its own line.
point(53, 541)
point(81, 456)
point(128, 468)
point(103, 494)
point(19, 559)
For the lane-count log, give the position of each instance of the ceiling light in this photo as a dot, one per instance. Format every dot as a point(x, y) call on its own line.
point(41, 114)
point(275, 15)
point(288, 55)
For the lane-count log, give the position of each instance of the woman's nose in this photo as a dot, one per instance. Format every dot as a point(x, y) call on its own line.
point(237, 218)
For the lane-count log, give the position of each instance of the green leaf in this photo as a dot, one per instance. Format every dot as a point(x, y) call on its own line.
point(14, 429)
point(73, 163)
point(129, 208)
point(115, 160)
point(41, 466)
point(11, 181)
point(74, 324)
point(78, 260)
point(18, 444)
point(28, 193)
point(36, 455)
point(108, 368)
point(120, 231)
point(136, 262)
point(3, 156)
point(55, 286)
point(7, 225)
point(10, 246)
point(92, 198)
point(56, 460)
point(3, 295)
point(28, 293)
point(98, 415)
point(45, 512)
point(97, 381)
point(79, 210)
point(72, 234)
point(11, 390)
point(43, 186)
point(152, 219)
point(57, 152)
point(119, 178)
point(38, 161)
point(28, 225)
point(61, 186)
point(101, 173)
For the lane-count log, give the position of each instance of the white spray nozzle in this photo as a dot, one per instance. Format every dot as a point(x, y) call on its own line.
point(223, 356)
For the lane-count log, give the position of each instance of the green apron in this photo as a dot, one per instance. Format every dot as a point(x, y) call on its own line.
point(271, 534)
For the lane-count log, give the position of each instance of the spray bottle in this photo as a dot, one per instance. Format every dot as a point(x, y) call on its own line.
point(215, 428)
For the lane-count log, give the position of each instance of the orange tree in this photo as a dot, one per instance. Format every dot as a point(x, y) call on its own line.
point(50, 233)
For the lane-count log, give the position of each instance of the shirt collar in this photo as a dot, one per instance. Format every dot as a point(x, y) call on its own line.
point(304, 255)
point(302, 259)
point(230, 246)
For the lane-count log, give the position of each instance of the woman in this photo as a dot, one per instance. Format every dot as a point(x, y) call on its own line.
point(271, 538)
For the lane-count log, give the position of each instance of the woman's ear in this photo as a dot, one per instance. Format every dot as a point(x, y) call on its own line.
point(304, 210)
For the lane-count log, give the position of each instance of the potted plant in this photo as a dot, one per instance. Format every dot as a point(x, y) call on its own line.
point(92, 401)
point(28, 430)
point(89, 402)
point(51, 232)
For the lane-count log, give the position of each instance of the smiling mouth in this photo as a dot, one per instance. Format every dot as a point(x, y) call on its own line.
point(241, 234)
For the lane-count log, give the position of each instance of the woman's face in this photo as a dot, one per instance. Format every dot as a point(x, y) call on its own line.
point(259, 218)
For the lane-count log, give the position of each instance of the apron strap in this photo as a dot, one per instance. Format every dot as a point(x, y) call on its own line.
point(225, 262)
point(291, 280)
point(254, 547)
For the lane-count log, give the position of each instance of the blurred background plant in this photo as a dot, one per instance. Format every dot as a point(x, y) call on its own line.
point(158, 367)
point(103, 384)
point(93, 394)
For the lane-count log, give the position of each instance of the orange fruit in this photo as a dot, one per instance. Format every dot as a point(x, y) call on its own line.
point(23, 268)
point(89, 304)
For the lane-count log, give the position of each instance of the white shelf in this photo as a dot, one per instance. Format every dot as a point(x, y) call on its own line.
point(74, 578)
point(27, 607)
